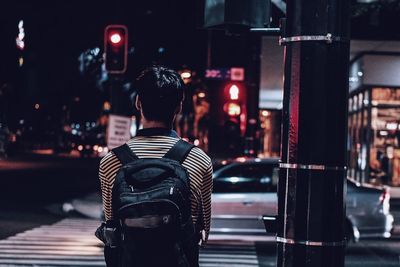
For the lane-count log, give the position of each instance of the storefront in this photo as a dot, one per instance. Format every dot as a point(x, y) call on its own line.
point(270, 133)
point(374, 119)
point(374, 109)
point(271, 97)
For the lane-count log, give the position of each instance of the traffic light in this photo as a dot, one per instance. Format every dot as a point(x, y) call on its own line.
point(116, 48)
point(233, 109)
point(235, 105)
point(234, 92)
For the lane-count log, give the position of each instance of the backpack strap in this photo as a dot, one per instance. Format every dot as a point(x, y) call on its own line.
point(124, 154)
point(179, 151)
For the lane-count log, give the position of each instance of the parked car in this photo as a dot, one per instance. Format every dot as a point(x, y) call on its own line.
point(245, 190)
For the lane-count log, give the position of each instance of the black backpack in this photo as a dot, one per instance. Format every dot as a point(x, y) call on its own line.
point(151, 200)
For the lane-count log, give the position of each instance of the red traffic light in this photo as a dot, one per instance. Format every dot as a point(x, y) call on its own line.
point(116, 48)
point(235, 109)
point(234, 99)
point(234, 92)
point(115, 38)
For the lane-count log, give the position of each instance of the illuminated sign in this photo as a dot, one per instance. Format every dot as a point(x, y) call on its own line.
point(230, 74)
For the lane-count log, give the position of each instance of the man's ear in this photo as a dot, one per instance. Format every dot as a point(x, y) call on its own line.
point(138, 104)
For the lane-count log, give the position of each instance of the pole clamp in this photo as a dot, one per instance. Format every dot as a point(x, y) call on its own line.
point(311, 167)
point(310, 243)
point(329, 38)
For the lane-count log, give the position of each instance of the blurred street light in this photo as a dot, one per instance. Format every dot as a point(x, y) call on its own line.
point(21, 36)
point(20, 41)
point(186, 75)
point(106, 106)
point(265, 113)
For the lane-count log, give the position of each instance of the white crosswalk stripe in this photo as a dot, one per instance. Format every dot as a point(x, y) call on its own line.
point(71, 242)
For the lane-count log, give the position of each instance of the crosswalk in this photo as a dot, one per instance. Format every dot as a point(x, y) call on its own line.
point(71, 242)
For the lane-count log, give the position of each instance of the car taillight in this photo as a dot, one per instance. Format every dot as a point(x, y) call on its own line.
point(384, 200)
point(385, 196)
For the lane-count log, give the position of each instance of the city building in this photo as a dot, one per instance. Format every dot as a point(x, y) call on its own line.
point(374, 108)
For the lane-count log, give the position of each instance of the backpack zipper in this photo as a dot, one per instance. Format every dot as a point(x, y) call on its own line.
point(171, 190)
point(152, 190)
point(151, 201)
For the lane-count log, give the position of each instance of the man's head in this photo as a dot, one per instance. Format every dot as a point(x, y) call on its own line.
point(160, 94)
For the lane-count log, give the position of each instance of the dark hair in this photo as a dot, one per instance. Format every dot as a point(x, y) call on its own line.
point(160, 91)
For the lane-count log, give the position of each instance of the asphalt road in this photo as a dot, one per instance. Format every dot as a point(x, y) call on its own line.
point(70, 242)
point(32, 185)
point(33, 189)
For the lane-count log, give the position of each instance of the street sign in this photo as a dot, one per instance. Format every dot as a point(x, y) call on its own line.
point(118, 130)
point(217, 74)
point(227, 74)
point(237, 74)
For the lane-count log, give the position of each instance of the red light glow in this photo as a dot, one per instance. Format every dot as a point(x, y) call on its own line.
point(241, 159)
point(234, 92)
point(115, 38)
point(233, 109)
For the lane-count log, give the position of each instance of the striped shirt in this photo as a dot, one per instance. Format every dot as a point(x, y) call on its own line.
point(155, 143)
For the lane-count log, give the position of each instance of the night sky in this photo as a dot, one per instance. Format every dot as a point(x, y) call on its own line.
point(58, 32)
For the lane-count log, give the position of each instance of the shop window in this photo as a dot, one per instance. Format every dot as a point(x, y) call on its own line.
point(374, 136)
point(270, 133)
point(355, 103)
point(366, 98)
point(350, 105)
point(360, 100)
point(385, 144)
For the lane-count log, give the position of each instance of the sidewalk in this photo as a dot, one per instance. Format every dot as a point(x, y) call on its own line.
point(19, 164)
point(90, 206)
point(29, 162)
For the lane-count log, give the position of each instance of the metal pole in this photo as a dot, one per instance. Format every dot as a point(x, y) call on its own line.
point(311, 190)
point(120, 104)
point(209, 48)
point(253, 91)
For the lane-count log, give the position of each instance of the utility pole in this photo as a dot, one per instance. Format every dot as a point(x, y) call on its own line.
point(311, 190)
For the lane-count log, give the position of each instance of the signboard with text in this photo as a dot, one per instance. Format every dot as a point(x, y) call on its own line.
point(230, 74)
point(237, 74)
point(118, 130)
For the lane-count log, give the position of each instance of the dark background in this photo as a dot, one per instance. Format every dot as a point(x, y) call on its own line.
point(58, 32)
point(165, 32)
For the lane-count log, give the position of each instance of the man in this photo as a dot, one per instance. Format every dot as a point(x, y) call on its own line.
point(159, 100)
